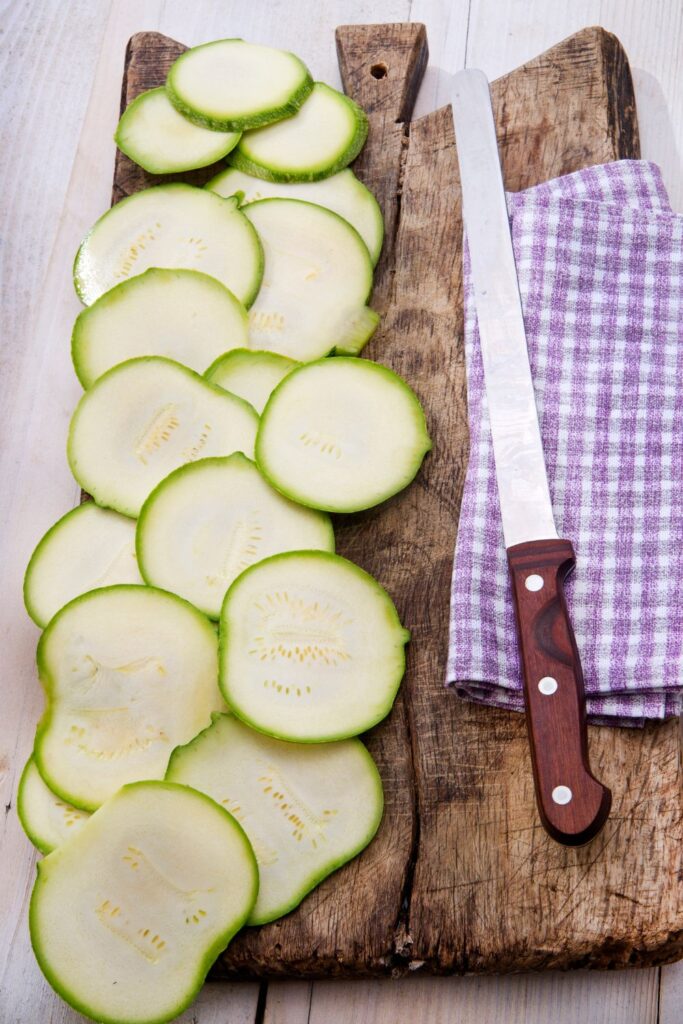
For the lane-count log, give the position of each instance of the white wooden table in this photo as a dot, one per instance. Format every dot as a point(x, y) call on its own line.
point(60, 83)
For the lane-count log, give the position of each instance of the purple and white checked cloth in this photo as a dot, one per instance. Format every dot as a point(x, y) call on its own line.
point(600, 263)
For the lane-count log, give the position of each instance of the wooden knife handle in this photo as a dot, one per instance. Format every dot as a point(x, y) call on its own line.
point(572, 804)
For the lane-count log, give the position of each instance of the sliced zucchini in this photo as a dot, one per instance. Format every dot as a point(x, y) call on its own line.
point(343, 193)
point(208, 521)
point(341, 435)
point(89, 547)
point(306, 808)
point(251, 375)
point(230, 85)
point(318, 278)
point(47, 820)
point(323, 137)
point(146, 417)
point(128, 916)
point(129, 673)
point(181, 314)
point(311, 648)
point(176, 226)
point(153, 134)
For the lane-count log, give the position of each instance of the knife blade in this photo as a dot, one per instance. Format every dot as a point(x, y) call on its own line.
point(572, 804)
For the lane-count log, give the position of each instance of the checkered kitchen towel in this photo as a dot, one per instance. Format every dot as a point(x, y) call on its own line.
point(600, 262)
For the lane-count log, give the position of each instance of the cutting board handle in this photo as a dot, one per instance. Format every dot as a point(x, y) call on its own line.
point(572, 803)
point(382, 66)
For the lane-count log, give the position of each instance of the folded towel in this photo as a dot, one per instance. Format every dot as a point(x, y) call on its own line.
point(600, 263)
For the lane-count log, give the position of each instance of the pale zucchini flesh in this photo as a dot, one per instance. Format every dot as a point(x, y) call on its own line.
point(143, 419)
point(154, 135)
point(176, 226)
point(311, 648)
point(127, 917)
point(323, 137)
point(181, 314)
point(233, 85)
point(209, 521)
point(251, 375)
point(317, 281)
point(342, 435)
point(129, 672)
point(47, 820)
point(306, 808)
point(342, 193)
point(87, 548)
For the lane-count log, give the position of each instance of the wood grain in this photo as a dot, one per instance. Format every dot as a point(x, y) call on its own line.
point(461, 876)
point(491, 891)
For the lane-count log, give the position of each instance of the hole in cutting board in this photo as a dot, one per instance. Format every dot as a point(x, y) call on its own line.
point(379, 70)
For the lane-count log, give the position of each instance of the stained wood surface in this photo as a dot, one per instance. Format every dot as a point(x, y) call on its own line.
point(461, 876)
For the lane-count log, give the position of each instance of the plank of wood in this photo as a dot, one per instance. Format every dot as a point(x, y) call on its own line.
point(604, 998)
point(491, 891)
point(671, 994)
point(651, 34)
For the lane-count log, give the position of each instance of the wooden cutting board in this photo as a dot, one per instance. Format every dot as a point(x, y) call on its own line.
point(461, 876)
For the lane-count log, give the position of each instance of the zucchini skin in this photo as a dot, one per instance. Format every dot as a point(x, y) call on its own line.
point(204, 964)
point(237, 158)
point(239, 124)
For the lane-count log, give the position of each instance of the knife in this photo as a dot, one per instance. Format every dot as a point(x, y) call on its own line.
point(572, 804)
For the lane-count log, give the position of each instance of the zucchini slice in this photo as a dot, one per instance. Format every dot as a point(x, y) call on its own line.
point(175, 226)
point(208, 521)
point(89, 547)
point(181, 314)
point(341, 435)
point(306, 808)
point(251, 375)
point(127, 917)
point(129, 673)
point(311, 648)
point(318, 278)
point(343, 193)
point(146, 417)
point(230, 85)
point(47, 820)
point(323, 137)
point(155, 136)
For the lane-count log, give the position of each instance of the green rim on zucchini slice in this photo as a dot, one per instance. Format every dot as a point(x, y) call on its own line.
point(176, 226)
point(47, 820)
point(129, 673)
point(89, 547)
point(146, 417)
point(323, 137)
point(306, 808)
point(250, 374)
point(341, 435)
point(311, 648)
point(230, 85)
point(181, 314)
point(342, 193)
point(208, 521)
point(154, 135)
point(127, 917)
point(317, 281)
